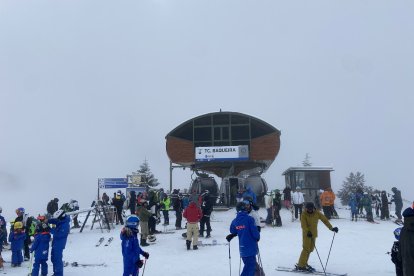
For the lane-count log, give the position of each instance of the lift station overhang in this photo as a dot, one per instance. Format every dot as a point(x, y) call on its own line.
point(224, 144)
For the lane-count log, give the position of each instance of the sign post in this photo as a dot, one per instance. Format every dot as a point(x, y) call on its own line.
point(111, 183)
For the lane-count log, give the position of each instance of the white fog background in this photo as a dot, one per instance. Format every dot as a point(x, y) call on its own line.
point(89, 89)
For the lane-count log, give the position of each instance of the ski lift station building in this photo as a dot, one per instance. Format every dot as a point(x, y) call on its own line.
point(225, 144)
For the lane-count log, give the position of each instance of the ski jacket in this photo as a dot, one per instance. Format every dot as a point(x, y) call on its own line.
point(297, 198)
point(143, 213)
point(192, 213)
point(52, 207)
point(353, 204)
point(384, 200)
point(396, 198)
point(40, 246)
point(16, 239)
point(407, 246)
point(165, 204)
point(130, 246)
point(117, 202)
point(2, 230)
point(245, 228)
point(287, 194)
point(206, 207)
point(268, 201)
point(327, 198)
point(60, 232)
point(309, 222)
point(250, 194)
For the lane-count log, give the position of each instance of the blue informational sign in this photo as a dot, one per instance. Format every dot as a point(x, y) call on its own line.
point(112, 183)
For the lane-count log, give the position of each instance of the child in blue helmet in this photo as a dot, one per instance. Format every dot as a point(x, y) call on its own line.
point(394, 253)
point(40, 247)
point(245, 228)
point(130, 247)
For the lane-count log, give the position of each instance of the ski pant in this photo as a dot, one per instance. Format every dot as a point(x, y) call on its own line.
point(152, 223)
point(179, 217)
point(56, 257)
point(119, 215)
point(192, 232)
point(17, 257)
point(269, 216)
point(308, 245)
point(144, 229)
point(327, 211)
point(37, 264)
point(249, 266)
point(130, 267)
point(75, 221)
point(166, 217)
point(205, 221)
point(276, 215)
point(298, 209)
point(398, 208)
point(385, 213)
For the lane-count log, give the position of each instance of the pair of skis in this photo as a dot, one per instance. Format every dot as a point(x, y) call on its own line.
point(76, 264)
point(316, 272)
point(101, 240)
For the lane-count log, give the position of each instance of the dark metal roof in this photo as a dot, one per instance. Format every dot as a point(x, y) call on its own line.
point(307, 168)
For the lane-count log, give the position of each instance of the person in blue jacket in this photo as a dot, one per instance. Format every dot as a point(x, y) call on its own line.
point(354, 207)
point(130, 247)
point(60, 236)
point(40, 247)
point(250, 195)
point(245, 228)
point(16, 239)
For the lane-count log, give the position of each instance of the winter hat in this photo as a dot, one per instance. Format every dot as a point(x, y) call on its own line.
point(310, 206)
point(409, 212)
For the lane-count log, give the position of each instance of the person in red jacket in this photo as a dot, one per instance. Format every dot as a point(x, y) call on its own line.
point(193, 215)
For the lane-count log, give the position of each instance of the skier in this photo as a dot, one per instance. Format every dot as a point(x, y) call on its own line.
point(165, 208)
point(206, 209)
point(118, 203)
point(132, 202)
point(354, 207)
point(29, 228)
point(52, 207)
point(298, 200)
point(269, 204)
point(396, 198)
point(40, 247)
point(407, 242)
point(250, 194)
point(178, 208)
point(193, 215)
point(327, 201)
point(17, 237)
point(245, 228)
point(287, 197)
point(144, 215)
point(309, 223)
point(385, 212)
point(105, 199)
point(367, 203)
point(3, 235)
point(130, 247)
point(277, 206)
point(395, 251)
point(60, 235)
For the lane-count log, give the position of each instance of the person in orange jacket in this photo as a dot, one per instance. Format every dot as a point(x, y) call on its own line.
point(327, 202)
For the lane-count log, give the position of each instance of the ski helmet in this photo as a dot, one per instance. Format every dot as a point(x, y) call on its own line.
point(59, 214)
point(397, 233)
point(132, 222)
point(20, 210)
point(18, 225)
point(243, 206)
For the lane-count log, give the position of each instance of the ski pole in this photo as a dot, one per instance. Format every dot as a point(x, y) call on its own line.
point(239, 266)
point(31, 264)
point(324, 272)
point(326, 264)
point(229, 259)
point(143, 270)
point(259, 259)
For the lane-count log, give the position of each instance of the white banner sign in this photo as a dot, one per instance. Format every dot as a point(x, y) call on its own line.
point(226, 153)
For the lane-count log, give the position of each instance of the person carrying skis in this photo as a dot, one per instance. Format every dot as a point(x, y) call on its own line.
point(60, 235)
point(407, 242)
point(40, 247)
point(395, 251)
point(17, 237)
point(245, 228)
point(130, 247)
point(193, 215)
point(309, 223)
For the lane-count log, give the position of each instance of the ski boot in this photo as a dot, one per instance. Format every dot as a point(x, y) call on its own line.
point(195, 247)
point(310, 269)
point(188, 243)
point(144, 242)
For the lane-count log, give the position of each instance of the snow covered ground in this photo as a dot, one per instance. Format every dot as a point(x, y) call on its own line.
point(358, 249)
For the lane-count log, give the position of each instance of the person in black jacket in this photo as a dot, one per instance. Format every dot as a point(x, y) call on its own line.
point(395, 251)
point(206, 208)
point(385, 211)
point(397, 199)
point(118, 203)
point(407, 242)
point(177, 204)
point(52, 207)
point(132, 202)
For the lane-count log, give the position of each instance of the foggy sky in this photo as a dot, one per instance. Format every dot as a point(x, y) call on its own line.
point(89, 89)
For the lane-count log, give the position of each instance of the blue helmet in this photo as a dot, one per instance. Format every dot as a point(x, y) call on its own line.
point(243, 206)
point(397, 233)
point(132, 222)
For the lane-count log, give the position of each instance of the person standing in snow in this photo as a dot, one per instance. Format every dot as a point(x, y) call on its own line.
point(206, 209)
point(52, 207)
point(298, 200)
point(144, 215)
point(407, 242)
point(60, 235)
point(40, 247)
point(287, 197)
point(385, 212)
point(268, 204)
point(130, 247)
point(354, 207)
point(245, 228)
point(17, 237)
point(277, 206)
point(118, 202)
point(395, 251)
point(309, 223)
point(165, 208)
point(250, 195)
point(397, 199)
point(327, 202)
point(193, 215)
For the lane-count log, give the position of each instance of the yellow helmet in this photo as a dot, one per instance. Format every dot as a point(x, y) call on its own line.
point(18, 225)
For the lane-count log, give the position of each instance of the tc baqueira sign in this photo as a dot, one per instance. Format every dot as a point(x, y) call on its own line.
point(225, 153)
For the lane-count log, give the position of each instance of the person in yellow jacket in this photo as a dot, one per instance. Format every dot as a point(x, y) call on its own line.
point(327, 202)
point(165, 208)
point(309, 222)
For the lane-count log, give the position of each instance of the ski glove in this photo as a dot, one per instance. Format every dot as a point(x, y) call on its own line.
point(140, 263)
point(146, 255)
point(229, 237)
point(259, 228)
point(335, 229)
point(309, 234)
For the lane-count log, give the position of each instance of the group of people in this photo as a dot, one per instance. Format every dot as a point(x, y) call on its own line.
point(29, 235)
